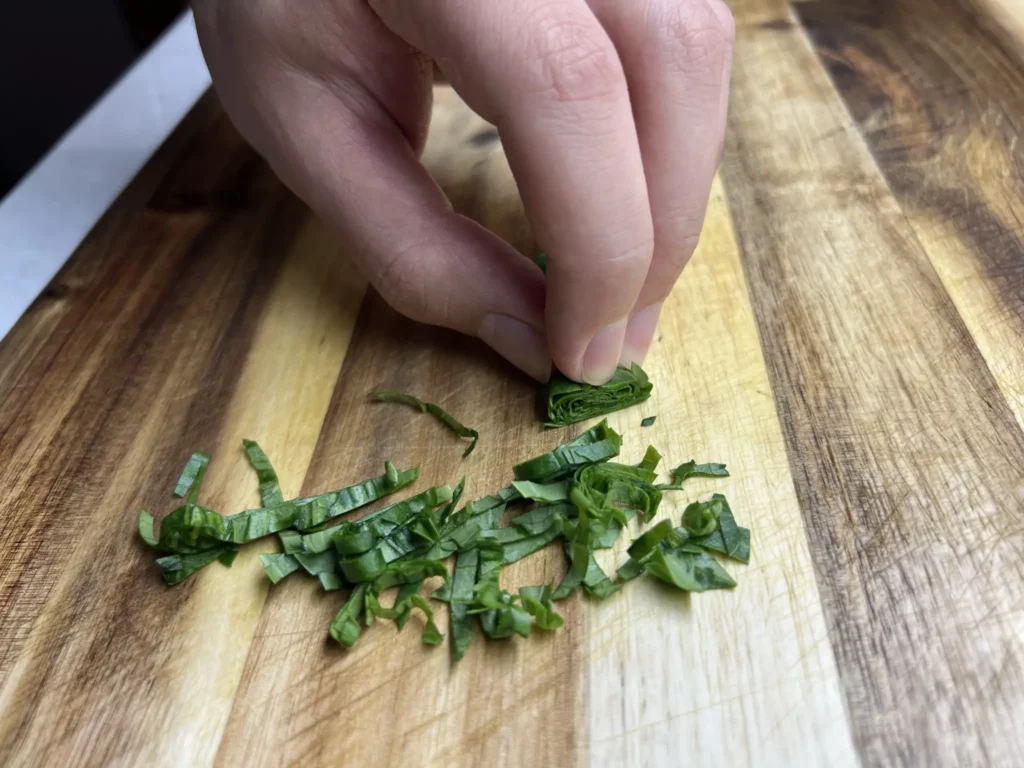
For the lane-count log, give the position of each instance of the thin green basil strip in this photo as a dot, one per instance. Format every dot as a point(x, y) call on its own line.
point(314, 565)
point(277, 565)
point(191, 477)
point(596, 582)
point(191, 529)
point(461, 596)
point(330, 582)
point(700, 518)
point(227, 558)
point(688, 571)
point(345, 625)
point(693, 469)
point(650, 461)
point(648, 421)
point(146, 529)
point(365, 567)
point(541, 260)
point(518, 543)
point(403, 603)
point(449, 508)
point(611, 485)
point(537, 602)
point(498, 499)
point(730, 539)
point(570, 402)
point(177, 568)
point(320, 541)
point(643, 546)
point(544, 492)
point(599, 443)
point(541, 518)
point(646, 542)
point(291, 541)
point(270, 486)
point(434, 410)
point(579, 558)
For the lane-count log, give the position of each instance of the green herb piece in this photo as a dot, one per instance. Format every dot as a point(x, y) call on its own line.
point(434, 410)
point(314, 565)
point(461, 598)
point(541, 260)
point(536, 601)
point(270, 486)
point(191, 477)
point(544, 492)
point(597, 444)
point(345, 625)
point(701, 517)
point(279, 565)
point(146, 529)
point(291, 541)
point(688, 571)
point(570, 402)
point(693, 469)
point(330, 581)
point(403, 603)
point(176, 568)
point(596, 582)
point(648, 422)
point(365, 567)
point(643, 546)
point(730, 539)
point(384, 520)
point(650, 461)
point(518, 543)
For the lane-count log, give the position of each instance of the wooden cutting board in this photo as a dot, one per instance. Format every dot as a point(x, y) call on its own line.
point(848, 339)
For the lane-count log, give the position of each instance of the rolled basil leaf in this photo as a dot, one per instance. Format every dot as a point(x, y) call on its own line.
point(570, 401)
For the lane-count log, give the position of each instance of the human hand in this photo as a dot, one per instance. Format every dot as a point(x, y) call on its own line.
point(611, 112)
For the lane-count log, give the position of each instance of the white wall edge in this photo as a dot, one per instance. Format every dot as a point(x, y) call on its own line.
point(48, 214)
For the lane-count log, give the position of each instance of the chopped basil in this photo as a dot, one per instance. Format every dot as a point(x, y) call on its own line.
point(434, 410)
point(573, 495)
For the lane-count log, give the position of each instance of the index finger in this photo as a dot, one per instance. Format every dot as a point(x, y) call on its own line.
point(547, 75)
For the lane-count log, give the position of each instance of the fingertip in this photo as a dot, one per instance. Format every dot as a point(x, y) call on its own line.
point(639, 335)
point(602, 355)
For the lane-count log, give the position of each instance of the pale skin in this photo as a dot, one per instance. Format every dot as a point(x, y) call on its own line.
point(612, 113)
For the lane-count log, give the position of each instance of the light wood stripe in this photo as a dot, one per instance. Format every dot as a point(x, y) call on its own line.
point(745, 677)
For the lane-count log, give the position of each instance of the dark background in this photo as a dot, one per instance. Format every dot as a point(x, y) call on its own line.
point(57, 57)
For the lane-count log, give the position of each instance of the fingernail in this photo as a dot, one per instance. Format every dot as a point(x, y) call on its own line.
point(602, 355)
point(640, 334)
point(519, 343)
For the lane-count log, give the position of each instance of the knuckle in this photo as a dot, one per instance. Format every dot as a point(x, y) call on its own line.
point(695, 36)
point(401, 285)
point(573, 61)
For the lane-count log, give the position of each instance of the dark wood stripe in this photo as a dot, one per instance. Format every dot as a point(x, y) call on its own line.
point(941, 105)
point(155, 332)
point(907, 461)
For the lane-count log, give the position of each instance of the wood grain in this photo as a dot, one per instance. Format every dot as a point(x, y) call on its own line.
point(846, 338)
point(955, 163)
point(174, 344)
point(730, 678)
point(907, 460)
